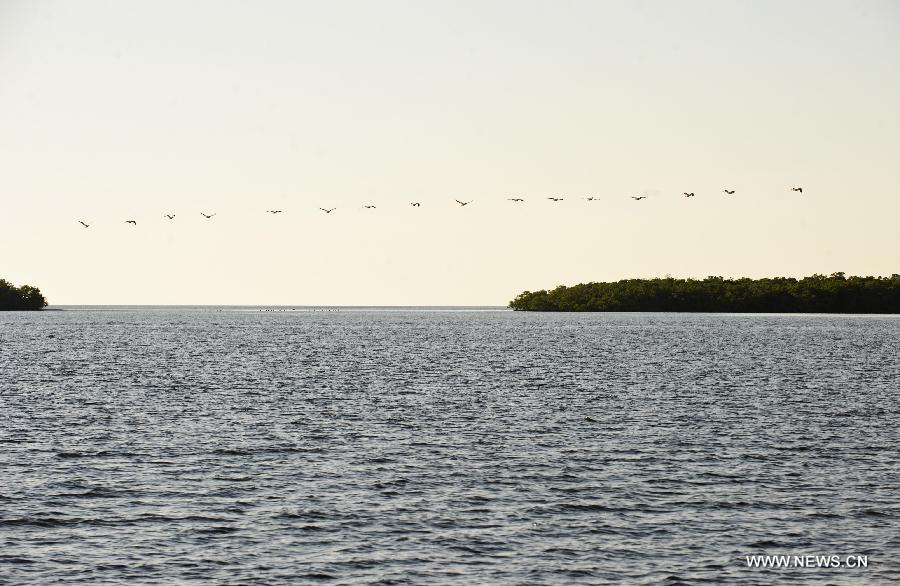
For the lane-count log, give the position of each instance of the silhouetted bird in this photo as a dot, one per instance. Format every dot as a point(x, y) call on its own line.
point(592, 198)
point(131, 222)
point(464, 203)
point(369, 207)
point(686, 194)
point(515, 199)
point(170, 216)
point(800, 189)
point(207, 216)
point(638, 198)
point(327, 211)
point(556, 198)
point(274, 211)
point(83, 224)
point(415, 204)
point(728, 191)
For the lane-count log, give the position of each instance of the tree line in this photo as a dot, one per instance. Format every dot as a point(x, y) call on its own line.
point(835, 293)
point(14, 298)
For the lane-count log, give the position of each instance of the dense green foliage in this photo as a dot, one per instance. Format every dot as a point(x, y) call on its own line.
point(815, 294)
point(20, 298)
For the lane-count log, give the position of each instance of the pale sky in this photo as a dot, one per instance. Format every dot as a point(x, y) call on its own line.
point(129, 110)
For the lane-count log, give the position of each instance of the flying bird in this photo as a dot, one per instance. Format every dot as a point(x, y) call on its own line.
point(207, 216)
point(170, 216)
point(415, 204)
point(327, 211)
point(274, 211)
point(556, 198)
point(638, 198)
point(686, 194)
point(592, 198)
point(515, 199)
point(728, 191)
point(369, 207)
point(800, 189)
point(131, 222)
point(464, 203)
point(83, 224)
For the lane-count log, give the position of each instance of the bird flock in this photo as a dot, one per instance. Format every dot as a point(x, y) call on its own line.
point(416, 204)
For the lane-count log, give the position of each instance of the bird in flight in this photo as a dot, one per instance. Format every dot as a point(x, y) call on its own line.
point(800, 189)
point(327, 211)
point(207, 216)
point(415, 204)
point(274, 211)
point(83, 224)
point(515, 199)
point(464, 203)
point(592, 198)
point(369, 207)
point(728, 191)
point(131, 222)
point(638, 198)
point(686, 194)
point(170, 216)
point(556, 198)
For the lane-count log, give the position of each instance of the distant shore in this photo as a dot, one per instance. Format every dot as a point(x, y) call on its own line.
point(24, 298)
point(835, 293)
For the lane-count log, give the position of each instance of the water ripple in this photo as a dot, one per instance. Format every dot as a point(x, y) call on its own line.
point(445, 447)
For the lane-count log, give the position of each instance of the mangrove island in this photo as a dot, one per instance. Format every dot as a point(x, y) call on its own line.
point(24, 298)
point(815, 294)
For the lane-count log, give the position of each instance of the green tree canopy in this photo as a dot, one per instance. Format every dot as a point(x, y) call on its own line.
point(14, 298)
point(836, 293)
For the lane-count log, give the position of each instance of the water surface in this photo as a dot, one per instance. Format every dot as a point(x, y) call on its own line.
point(233, 445)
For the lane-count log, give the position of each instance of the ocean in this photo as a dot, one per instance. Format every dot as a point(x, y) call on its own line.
point(245, 445)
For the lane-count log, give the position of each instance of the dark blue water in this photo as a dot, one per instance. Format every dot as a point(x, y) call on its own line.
point(471, 447)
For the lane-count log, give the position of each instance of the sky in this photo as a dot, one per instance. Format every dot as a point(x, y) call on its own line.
point(111, 111)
